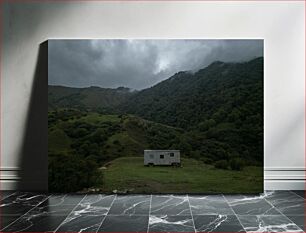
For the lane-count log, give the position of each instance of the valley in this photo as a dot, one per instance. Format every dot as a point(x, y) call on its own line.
point(213, 116)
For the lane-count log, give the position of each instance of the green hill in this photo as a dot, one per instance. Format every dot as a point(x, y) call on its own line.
point(222, 104)
point(108, 136)
point(186, 99)
point(214, 116)
point(91, 98)
point(128, 173)
point(81, 142)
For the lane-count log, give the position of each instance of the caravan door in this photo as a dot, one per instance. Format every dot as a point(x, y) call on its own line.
point(163, 158)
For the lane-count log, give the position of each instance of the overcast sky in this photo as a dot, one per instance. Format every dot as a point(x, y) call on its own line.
point(138, 64)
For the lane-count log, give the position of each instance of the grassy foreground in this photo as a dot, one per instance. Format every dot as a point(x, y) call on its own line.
point(129, 173)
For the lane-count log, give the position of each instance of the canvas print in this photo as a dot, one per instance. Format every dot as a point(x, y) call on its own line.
point(155, 116)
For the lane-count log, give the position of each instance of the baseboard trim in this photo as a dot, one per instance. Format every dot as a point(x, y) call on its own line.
point(11, 179)
point(284, 169)
point(284, 174)
point(9, 184)
point(284, 185)
point(10, 169)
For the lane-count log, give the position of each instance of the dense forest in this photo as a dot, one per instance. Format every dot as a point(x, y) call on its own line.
point(214, 115)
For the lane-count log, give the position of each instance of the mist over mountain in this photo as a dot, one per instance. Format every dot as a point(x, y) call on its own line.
point(138, 63)
point(91, 98)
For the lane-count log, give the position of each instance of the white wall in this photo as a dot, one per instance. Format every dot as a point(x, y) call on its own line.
point(280, 24)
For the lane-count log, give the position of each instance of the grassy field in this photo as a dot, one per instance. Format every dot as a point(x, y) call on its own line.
point(129, 173)
point(117, 140)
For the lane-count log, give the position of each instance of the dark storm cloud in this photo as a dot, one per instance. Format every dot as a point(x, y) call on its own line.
point(138, 63)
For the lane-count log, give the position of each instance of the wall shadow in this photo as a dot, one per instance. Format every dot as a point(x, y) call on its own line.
point(34, 151)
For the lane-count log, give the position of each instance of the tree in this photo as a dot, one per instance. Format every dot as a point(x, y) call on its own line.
point(69, 173)
point(205, 125)
point(221, 164)
point(236, 164)
point(220, 115)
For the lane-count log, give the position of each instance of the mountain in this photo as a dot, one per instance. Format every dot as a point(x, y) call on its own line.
point(214, 115)
point(220, 107)
point(87, 98)
point(185, 99)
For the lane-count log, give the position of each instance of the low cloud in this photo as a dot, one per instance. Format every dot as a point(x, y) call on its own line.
point(138, 64)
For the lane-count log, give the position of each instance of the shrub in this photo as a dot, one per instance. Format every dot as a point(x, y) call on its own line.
point(236, 164)
point(204, 126)
point(221, 164)
point(71, 173)
point(79, 132)
point(196, 154)
point(207, 160)
point(116, 142)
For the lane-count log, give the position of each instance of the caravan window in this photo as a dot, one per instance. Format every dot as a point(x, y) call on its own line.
point(161, 156)
point(171, 154)
point(151, 156)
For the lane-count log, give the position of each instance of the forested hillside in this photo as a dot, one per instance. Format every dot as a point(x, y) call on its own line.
point(186, 99)
point(222, 104)
point(80, 142)
point(214, 116)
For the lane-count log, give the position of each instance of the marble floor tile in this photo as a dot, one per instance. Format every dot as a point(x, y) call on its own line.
point(217, 223)
point(81, 223)
point(209, 205)
point(7, 220)
point(57, 205)
point(170, 205)
point(250, 205)
point(130, 205)
point(95, 204)
point(266, 223)
point(35, 223)
point(88, 214)
point(166, 223)
point(20, 203)
point(299, 220)
point(34, 212)
point(287, 202)
point(65, 199)
point(5, 194)
point(301, 193)
point(52, 210)
point(281, 193)
point(49, 214)
point(126, 223)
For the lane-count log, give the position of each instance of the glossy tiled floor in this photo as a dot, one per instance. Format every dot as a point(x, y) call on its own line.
point(281, 211)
